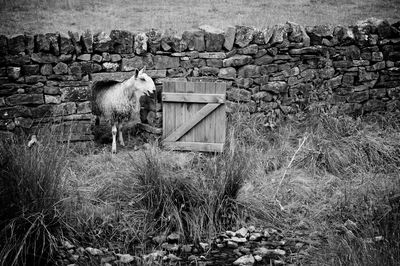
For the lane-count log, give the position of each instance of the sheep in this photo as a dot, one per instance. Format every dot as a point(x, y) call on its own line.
point(119, 101)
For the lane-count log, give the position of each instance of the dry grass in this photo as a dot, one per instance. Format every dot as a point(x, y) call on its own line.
point(331, 179)
point(41, 16)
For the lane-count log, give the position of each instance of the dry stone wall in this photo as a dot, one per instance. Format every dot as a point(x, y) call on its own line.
point(271, 73)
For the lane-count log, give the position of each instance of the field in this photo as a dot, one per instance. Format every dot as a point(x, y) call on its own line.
point(330, 180)
point(41, 16)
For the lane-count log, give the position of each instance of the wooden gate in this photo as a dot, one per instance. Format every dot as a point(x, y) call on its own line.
point(194, 116)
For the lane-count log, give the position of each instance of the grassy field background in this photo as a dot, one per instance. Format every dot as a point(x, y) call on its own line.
point(18, 16)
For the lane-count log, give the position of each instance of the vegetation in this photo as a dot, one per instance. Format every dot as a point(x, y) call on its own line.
point(31, 212)
point(331, 176)
point(42, 16)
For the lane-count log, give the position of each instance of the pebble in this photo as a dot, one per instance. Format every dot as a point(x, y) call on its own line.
point(231, 244)
point(242, 232)
point(244, 260)
point(239, 239)
point(204, 246)
point(94, 251)
point(125, 258)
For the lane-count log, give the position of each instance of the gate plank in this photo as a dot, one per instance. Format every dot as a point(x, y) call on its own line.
point(220, 116)
point(194, 146)
point(200, 115)
point(193, 97)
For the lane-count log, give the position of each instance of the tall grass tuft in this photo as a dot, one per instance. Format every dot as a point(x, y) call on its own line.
point(30, 195)
point(196, 200)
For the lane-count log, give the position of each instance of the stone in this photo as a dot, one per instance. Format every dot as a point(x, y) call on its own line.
point(239, 239)
point(129, 64)
point(242, 232)
point(84, 57)
point(258, 37)
point(125, 258)
point(275, 87)
point(188, 39)
point(51, 99)
point(165, 62)
point(44, 58)
point(318, 32)
point(75, 94)
point(249, 71)
point(16, 44)
point(214, 63)
point(97, 58)
point(255, 236)
point(115, 58)
point(358, 97)
point(227, 73)
point(87, 42)
point(264, 60)
point(213, 37)
point(3, 45)
point(238, 95)
point(364, 75)
point(94, 251)
point(51, 90)
point(17, 60)
point(64, 109)
point(198, 41)
point(34, 79)
point(170, 247)
point(215, 55)
point(60, 68)
point(377, 56)
point(154, 40)
point(344, 34)
point(244, 35)
point(101, 42)
point(54, 46)
point(172, 258)
point(251, 49)
point(66, 45)
point(23, 122)
point(279, 35)
point(110, 66)
point(75, 69)
point(262, 251)
point(84, 107)
point(76, 42)
point(245, 260)
point(208, 71)
point(243, 82)
point(46, 69)
point(229, 36)
point(232, 244)
point(178, 44)
point(122, 41)
point(204, 246)
point(140, 44)
point(173, 237)
point(295, 33)
point(42, 43)
point(237, 60)
point(13, 72)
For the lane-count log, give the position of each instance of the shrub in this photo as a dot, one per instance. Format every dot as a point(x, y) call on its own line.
point(30, 195)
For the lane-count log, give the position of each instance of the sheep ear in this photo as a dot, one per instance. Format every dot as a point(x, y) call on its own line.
point(136, 73)
point(142, 70)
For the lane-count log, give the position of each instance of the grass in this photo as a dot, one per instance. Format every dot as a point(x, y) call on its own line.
point(328, 178)
point(43, 16)
point(31, 213)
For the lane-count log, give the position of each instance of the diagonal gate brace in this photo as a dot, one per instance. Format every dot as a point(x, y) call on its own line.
point(185, 127)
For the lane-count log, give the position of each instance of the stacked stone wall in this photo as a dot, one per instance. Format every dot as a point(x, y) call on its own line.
point(271, 73)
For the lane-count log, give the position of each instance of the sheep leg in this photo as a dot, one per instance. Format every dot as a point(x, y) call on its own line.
point(120, 137)
point(114, 138)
